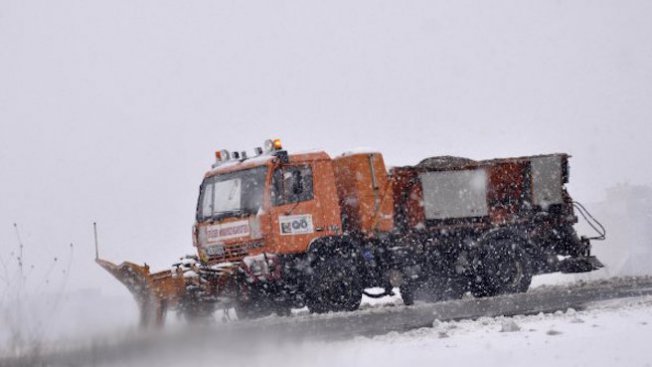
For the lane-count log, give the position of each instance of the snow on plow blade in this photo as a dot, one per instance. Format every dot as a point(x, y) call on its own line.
point(154, 293)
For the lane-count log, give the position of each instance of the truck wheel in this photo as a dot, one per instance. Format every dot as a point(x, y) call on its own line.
point(334, 286)
point(504, 268)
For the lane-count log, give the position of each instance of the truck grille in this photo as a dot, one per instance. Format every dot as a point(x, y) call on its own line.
point(235, 252)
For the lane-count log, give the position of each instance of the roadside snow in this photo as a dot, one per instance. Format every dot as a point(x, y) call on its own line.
point(605, 334)
point(615, 332)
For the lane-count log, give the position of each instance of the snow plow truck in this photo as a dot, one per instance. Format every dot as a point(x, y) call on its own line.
point(275, 231)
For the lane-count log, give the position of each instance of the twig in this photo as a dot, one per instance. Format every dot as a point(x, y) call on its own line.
point(20, 251)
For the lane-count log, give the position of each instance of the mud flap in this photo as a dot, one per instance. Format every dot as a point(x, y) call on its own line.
point(581, 264)
point(154, 293)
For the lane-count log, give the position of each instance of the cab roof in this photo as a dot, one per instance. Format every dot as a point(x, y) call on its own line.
point(242, 164)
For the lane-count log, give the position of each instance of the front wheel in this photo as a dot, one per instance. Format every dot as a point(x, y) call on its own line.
point(334, 286)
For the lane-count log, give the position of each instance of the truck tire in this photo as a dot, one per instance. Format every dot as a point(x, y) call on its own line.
point(504, 267)
point(334, 286)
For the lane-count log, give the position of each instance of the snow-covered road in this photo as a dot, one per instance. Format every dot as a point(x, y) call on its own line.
point(613, 333)
point(606, 329)
point(608, 333)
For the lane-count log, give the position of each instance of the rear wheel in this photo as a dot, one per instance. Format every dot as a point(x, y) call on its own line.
point(504, 267)
point(334, 286)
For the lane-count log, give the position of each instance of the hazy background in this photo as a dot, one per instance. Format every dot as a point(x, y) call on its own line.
point(111, 111)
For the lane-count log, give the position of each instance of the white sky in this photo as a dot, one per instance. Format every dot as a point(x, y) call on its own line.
point(111, 111)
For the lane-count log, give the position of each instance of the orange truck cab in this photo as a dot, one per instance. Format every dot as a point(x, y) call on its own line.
point(263, 205)
point(283, 210)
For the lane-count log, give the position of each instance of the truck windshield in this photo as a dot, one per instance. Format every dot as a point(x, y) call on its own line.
point(232, 194)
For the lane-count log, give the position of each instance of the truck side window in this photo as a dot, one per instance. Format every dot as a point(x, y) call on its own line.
point(207, 201)
point(292, 185)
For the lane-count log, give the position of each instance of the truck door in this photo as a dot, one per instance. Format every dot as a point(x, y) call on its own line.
point(296, 215)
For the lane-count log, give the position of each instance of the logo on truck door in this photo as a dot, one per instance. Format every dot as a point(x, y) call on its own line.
point(295, 224)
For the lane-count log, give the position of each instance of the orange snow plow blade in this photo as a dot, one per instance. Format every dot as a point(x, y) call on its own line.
point(154, 293)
